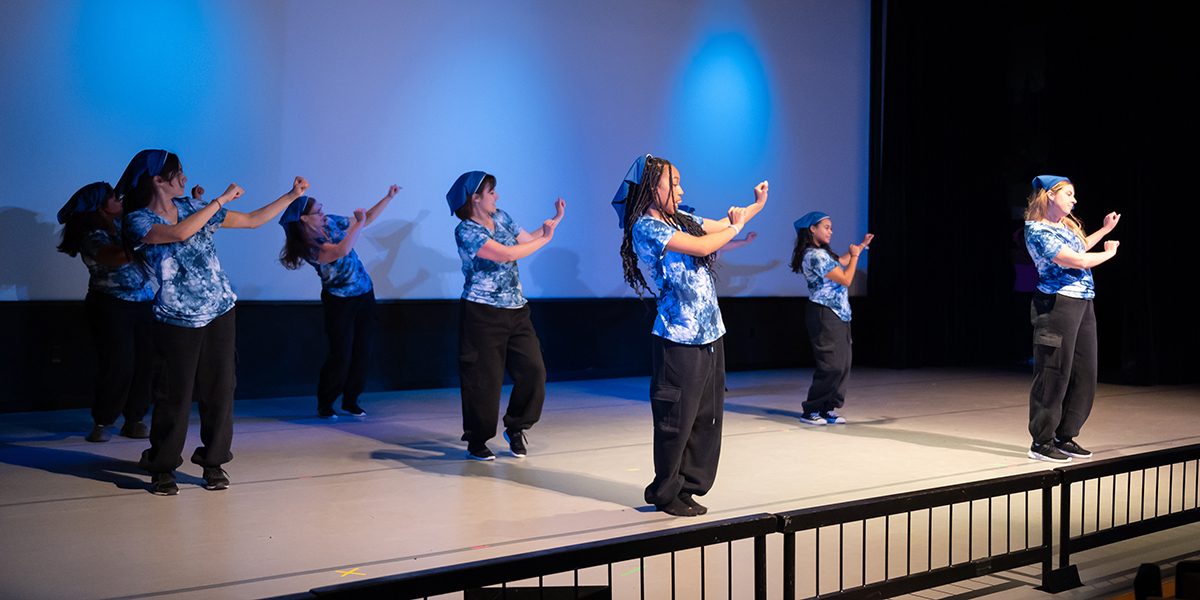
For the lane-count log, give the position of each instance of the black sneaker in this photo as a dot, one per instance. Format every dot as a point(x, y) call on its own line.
point(690, 501)
point(813, 418)
point(163, 484)
point(1048, 453)
point(136, 430)
point(354, 410)
point(678, 508)
point(215, 478)
point(480, 453)
point(1070, 448)
point(99, 433)
point(516, 443)
point(326, 412)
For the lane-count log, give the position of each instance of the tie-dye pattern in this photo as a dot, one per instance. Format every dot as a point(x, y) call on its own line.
point(687, 295)
point(1044, 241)
point(193, 290)
point(816, 264)
point(126, 282)
point(345, 277)
point(488, 282)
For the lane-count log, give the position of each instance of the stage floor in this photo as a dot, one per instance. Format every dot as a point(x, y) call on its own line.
point(393, 492)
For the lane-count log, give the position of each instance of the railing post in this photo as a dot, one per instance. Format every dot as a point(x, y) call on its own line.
point(760, 567)
point(1066, 576)
point(789, 566)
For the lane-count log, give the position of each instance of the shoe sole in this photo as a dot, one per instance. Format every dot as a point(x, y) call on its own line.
point(217, 487)
point(807, 422)
point(1074, 455)
point(1043, 457)
point(480, 458)
point(174, 492)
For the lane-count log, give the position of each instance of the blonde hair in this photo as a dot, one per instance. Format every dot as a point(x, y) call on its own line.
point(1039, 205)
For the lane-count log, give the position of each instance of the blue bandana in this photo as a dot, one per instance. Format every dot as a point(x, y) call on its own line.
point(691, 210)
point(809, 220)
point(146, 162)
point(464, 187)
point(87, 199)
point(1045, 182)
point(293, 212)
point(633, 177)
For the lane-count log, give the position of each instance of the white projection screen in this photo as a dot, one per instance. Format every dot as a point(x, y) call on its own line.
point(554, 98)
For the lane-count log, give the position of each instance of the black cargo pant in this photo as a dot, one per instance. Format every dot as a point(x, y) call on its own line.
point(832, 350)
point(491, 341)
point(687, 399)
point(1065, 366)
point(122, 332)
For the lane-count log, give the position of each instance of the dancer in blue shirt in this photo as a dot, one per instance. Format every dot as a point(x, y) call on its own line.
point(687, 389)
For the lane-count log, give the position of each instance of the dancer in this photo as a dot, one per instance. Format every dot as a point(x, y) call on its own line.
point(687, 388)
point(826, 314)
point(495, 332)
point(327, 243)
point(118, 308)
point(172, 236)
point(1064, 325)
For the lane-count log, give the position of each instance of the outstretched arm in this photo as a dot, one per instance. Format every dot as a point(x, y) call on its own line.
point(161, 233)
point(374, 211)
point(760, 200)
point(844, 259)
point(258, 217)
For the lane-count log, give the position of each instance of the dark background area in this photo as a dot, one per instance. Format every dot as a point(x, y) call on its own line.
point(970, 101)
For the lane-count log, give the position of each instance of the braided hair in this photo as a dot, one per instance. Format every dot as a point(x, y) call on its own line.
point(642, 197)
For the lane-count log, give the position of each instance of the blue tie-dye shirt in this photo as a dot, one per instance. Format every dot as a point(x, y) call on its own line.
point(1044, 241)
point(687, 295)
point(816, 264)
point(126, 282)
point(488, 282)
point(192, 288)
point(345, 277)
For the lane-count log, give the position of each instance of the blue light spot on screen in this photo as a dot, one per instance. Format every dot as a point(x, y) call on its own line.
point(147, 62)
point(722, 107)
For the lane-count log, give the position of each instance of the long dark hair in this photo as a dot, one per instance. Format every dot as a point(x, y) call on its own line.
point(804, 241)
point(641, 197)
point(296, 244)
point(78, 226)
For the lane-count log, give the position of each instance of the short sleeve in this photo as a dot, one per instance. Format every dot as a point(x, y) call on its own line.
point(470, 237)
point(1042, 243)
point(138, 224)
point(819, 262)
point(652, 235)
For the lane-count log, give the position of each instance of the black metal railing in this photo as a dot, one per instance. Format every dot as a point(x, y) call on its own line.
point(1097, 504)
point(873, 564)
point(572, 560)
point(871, 548)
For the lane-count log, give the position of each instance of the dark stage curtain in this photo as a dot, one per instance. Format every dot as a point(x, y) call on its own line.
point(970, 101)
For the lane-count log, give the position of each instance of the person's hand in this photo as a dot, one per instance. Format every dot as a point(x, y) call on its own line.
point(548, 228)
point(360, 216)
point(392, 191)
point(299, 186)
point(1111, 246)
point(737, 215)
point(866, 243)
point(233, 192)
point(1111, 220)
point(856, 249)
point(197, 192)
point(760, 193)
point(560, 206)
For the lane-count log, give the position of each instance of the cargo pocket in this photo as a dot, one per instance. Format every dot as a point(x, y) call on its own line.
point(1047, 348)
point(664, 403)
